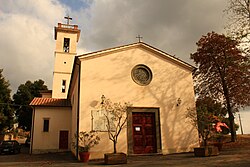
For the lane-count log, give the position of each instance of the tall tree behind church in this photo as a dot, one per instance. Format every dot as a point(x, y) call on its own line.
point(25, 93)
point(223, 73)
point(238, 24)
point(6, 112)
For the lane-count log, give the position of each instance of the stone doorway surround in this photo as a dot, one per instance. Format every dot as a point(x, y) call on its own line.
point(154, 110)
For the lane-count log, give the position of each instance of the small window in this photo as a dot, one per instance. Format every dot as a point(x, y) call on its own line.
point(45, 125)
point(66, 45)
point(63, 86)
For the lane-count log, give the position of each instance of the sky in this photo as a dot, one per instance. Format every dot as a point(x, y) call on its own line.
point(174, 26)
point(27, 29)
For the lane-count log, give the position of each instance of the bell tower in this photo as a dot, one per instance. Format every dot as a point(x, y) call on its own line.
point(67, 37)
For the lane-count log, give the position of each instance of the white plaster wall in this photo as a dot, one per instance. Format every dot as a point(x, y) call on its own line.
point(57, 85)
point(243, 117)
point(110, 75)
point(63, 63)
point(74, 102)
point(46, 95)
point(59, 119)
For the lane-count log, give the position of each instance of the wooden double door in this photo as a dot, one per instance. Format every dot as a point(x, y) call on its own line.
point(144, 132)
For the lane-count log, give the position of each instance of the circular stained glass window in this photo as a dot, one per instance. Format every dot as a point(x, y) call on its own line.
point(141, 74)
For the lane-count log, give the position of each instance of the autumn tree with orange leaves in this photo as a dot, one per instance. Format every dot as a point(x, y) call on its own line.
point(223, 73)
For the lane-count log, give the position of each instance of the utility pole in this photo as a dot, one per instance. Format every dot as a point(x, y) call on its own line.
point(240, 124)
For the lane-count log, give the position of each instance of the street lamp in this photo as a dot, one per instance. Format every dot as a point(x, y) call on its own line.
point(103, 99)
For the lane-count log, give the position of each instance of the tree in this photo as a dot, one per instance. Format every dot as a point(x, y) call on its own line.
point(6, 112)
point(116, 116)
point(239, 21)
point(208, 113)
point(212, 106)
point(25, 93)
point(223, 73)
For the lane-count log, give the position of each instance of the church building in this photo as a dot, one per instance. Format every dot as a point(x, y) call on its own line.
point(158, 85)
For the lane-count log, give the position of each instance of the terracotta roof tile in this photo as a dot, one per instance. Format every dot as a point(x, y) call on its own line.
point(53, 102)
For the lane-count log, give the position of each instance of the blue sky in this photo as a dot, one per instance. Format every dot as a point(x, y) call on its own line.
point(77, 4)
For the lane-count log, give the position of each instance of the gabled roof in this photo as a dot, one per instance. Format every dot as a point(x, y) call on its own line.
point(136, 45)
point(122, 48)
point(50, 102)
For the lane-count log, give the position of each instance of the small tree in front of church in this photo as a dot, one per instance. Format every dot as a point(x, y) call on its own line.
point(116, 117)
point(208, 117)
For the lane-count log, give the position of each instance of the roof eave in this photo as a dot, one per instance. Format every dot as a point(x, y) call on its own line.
point(138, 44)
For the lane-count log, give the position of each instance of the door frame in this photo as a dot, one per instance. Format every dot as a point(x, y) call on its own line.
point(154, 110)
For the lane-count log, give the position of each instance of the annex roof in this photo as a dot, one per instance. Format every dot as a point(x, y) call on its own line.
point(50, 102)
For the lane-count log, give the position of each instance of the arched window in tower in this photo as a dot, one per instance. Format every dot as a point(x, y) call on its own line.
point(66, 45)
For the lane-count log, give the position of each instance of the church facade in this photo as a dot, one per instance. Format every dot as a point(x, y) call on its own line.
point(158, 85)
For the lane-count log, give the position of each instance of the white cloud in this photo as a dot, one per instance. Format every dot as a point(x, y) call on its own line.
point(27, 36)
point(26, 44)
point(173, 26)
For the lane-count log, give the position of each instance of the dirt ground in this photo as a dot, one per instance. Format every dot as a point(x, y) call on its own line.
point(243, 142)
point(232, 155)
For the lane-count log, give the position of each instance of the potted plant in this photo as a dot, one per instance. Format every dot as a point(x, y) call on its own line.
point(116, 116)
point(86, 140)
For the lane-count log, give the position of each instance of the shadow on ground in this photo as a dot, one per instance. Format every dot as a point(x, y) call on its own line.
point(232, 155)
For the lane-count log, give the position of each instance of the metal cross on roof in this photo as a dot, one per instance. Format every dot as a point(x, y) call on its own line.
point(139, 38)
point(68, 18)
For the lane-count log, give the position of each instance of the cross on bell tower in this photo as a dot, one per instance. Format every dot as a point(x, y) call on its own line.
point(68, 18)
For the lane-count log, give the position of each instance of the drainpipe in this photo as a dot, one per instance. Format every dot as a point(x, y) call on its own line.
point(77, 114)
point(240, 124)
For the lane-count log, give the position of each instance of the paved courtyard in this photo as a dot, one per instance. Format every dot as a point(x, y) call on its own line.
point(232, 155)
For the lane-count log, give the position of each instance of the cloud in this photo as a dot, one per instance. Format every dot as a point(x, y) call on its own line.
point(173, 26)
point(27, 36)
point(26, 44)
